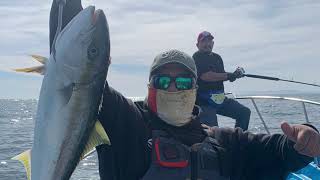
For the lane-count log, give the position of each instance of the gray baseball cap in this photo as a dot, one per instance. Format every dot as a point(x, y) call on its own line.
point(173, 56)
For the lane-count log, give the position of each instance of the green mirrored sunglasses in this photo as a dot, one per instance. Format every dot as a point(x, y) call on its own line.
point(163, 82)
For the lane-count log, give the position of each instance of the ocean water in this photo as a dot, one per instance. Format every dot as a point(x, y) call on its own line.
point(17, 122)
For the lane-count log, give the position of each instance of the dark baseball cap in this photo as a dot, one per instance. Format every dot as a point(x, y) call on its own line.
point(174, 56)
point(203, 35)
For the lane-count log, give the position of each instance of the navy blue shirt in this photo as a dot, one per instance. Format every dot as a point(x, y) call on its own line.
point(208, 62)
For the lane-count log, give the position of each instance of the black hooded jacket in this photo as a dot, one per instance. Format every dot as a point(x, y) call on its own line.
point(129, 126)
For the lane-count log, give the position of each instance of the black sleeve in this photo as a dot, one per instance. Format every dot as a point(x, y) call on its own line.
point(261, 155)
point(128, 133)
point(70, 10)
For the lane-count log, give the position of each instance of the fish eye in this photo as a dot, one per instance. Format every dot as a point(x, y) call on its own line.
point(93, 51)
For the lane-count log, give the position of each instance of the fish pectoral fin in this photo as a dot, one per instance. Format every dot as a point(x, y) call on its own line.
point(25, 159)
point(97, 137)
point(36, 69)
point(40, 59)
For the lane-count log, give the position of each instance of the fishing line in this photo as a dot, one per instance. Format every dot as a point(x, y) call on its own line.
point(278, 79)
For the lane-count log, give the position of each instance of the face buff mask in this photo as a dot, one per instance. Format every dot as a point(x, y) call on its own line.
point(174, 108)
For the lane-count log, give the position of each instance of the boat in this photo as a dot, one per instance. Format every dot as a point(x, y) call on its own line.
point(312, 170)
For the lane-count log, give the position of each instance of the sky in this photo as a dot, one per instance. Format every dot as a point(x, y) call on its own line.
point(272, 38)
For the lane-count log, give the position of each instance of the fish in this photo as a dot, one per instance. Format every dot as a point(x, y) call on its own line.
point(66, 127)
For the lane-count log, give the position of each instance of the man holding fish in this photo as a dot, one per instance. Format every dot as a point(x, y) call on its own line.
point(158, 138)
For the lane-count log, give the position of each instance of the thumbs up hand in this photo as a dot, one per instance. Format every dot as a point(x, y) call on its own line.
point(306, 138)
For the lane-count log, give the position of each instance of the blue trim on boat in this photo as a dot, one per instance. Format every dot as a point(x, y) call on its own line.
point(310, 172)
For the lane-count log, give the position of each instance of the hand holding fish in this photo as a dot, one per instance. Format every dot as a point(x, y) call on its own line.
point(306, 138)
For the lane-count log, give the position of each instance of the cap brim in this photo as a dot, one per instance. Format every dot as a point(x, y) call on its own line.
point(206, 37)
point(174, 62)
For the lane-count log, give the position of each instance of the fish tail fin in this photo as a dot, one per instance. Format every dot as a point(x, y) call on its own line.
point(97, 137)
point(25, 159)
point(40, 59)
point(35, 69)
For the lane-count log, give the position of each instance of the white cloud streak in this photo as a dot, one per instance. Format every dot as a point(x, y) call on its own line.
point(277, 38)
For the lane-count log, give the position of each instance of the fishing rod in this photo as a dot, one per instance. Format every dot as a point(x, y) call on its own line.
point(278, 79)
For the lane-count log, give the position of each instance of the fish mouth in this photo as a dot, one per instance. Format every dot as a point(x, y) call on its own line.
point(97, 16)
point(100, 39)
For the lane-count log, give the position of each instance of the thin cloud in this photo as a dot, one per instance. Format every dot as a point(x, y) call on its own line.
point(267, 37)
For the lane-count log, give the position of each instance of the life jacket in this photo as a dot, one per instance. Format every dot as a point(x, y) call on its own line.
point(173, 160)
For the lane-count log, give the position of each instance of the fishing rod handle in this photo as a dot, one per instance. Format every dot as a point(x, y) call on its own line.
point(262, 77)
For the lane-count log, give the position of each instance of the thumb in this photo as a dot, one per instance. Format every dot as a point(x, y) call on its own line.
point(288, 131)
point(205, 126)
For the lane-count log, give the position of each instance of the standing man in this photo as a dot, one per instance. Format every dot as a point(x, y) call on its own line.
point(210, 94)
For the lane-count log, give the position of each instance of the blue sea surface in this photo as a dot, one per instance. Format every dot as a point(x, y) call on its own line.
point(17, 122)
